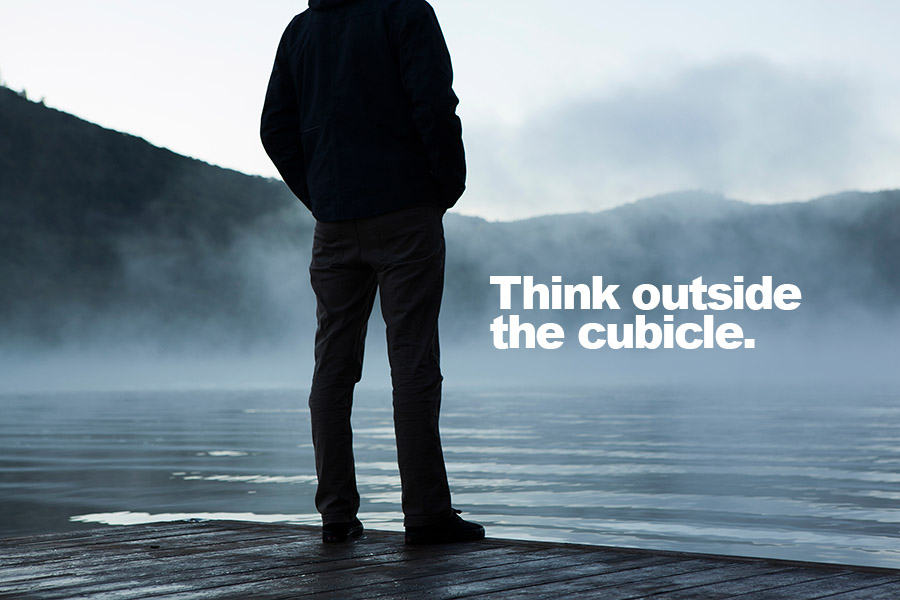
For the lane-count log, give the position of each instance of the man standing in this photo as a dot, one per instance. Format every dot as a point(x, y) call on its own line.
point(360, 120)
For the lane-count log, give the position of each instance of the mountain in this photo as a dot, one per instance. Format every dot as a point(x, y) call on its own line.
point(104, 236)
point(96, 223)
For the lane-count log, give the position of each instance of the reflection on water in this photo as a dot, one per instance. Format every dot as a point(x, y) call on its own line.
point(793, 473)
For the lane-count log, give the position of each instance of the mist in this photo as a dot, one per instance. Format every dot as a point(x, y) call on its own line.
point(126, 265)
point(744, 127)
point(242, 314)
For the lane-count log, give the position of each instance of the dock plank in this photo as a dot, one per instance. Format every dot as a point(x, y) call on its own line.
point(887, 591)
point(319, 576)
point(222, 564)
point(450, 580)
point(669, 578)
point(768, 585)
point(843, 583)
point(218, 560)
point(347, 579)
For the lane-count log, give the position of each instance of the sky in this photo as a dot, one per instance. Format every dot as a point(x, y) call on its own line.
point(576, 105)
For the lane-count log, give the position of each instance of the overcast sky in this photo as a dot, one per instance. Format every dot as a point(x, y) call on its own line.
point(567, 106)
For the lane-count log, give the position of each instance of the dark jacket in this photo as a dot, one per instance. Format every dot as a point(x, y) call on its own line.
point(360, 116)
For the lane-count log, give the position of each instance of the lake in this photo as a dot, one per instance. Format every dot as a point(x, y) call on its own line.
point(791, 472)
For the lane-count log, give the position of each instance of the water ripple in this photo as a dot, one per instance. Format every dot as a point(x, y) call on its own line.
point(789, 473)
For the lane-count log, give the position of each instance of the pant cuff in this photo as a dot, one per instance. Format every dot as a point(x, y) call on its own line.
point(421, 521)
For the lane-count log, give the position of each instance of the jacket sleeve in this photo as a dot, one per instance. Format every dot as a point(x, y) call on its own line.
point(427, 79)
point(280, 126)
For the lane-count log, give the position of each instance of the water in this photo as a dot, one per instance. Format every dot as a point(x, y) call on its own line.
point(773, 471)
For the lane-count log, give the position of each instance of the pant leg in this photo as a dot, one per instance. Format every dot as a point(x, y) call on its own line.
point(410, 274)
point(345, 292)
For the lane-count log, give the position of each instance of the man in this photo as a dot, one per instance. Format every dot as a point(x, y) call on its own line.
point(360, 120)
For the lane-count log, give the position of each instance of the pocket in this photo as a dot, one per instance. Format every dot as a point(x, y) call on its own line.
point(318, 161)
point(411, 234)
point(327, 248)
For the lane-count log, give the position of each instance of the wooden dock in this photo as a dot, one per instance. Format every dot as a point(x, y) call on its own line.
point(218, 559)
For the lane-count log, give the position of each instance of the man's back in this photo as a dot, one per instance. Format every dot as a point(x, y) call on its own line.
point(360, 119)
point(362, 89)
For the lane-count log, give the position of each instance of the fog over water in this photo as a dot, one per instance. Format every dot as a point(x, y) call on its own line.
point(199, 314)
point(135, 266)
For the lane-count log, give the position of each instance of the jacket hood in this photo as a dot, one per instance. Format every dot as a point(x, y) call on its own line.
point(325, 4)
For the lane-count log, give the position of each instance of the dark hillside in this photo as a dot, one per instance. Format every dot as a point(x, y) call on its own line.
point(81, 206)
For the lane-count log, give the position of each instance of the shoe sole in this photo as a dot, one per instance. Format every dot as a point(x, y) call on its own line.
point(416, 540)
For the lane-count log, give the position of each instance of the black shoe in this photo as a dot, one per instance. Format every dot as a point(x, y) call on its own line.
point(448, 531)
point(341, 532)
